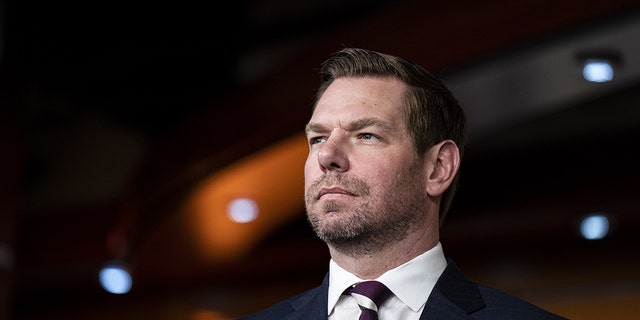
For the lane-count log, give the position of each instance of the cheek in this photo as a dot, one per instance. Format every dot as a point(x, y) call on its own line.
point(383, 175)
point(399, 177)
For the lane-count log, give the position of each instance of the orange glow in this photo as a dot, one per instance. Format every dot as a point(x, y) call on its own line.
point(273, 178)
point(208, 315)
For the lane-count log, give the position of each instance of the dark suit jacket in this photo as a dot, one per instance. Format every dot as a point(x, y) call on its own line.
point(454, 297)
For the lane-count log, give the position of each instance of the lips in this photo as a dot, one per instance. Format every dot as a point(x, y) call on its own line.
point(333, 190)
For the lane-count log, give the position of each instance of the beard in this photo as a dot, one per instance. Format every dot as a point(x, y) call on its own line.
point(373, 223)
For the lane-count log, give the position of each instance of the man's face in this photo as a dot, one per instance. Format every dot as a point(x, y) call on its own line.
point(364, 182)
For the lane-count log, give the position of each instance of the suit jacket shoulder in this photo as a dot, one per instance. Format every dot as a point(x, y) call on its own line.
point(457, 297)
point(309, 305)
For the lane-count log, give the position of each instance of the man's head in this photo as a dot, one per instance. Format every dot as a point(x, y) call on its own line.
point(430, 110)
point(383, 151)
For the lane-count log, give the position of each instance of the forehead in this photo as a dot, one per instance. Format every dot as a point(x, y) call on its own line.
point(354, 97)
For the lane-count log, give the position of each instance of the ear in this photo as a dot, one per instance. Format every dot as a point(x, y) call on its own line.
point(444, 162)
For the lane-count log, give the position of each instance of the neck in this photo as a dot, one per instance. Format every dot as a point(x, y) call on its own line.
point(371, 265)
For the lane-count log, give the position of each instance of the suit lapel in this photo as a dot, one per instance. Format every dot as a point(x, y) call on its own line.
point(454, 296)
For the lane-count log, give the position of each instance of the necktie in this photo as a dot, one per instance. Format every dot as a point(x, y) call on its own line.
point(370, 295)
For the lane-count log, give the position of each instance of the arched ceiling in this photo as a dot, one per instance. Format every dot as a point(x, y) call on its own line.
point(129, 108)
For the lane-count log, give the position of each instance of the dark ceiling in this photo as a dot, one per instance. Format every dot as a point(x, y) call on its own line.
point(146, 64)
point(113, 102)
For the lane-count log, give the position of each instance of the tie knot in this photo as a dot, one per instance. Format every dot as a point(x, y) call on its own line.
point(374, 291)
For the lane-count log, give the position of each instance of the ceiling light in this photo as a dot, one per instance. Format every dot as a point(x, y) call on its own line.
point(594, 226)
point(242, 210)
point(597, 70)
point(115, 278)
point(599, 65)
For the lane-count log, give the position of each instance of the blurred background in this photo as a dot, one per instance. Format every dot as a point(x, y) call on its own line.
point(152, 152)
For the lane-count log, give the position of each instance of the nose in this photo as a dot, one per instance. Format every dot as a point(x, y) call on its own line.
point(332, 157)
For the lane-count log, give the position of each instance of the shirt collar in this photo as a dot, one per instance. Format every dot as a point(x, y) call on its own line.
point(411, 282)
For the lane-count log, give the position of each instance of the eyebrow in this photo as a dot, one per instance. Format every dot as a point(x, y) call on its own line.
point(352, 126)
point(315, 127)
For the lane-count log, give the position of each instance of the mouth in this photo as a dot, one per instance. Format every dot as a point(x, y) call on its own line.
point(333, 191)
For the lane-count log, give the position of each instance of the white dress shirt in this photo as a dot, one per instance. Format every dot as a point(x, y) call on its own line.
point(411, 284)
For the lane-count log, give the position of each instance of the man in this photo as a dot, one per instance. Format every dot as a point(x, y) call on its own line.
point(385, 145)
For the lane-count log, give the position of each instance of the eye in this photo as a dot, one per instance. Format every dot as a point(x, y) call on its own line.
point(316, 140)
point(368, 136)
